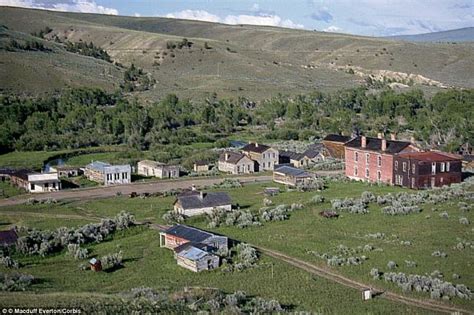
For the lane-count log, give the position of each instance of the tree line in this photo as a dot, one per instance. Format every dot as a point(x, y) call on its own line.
point(84, 117)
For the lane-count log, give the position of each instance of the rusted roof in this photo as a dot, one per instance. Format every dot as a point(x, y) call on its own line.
point(431, 156)
point(232, 157)
point(375, 144)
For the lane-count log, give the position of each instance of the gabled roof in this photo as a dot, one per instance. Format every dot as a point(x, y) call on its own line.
point(23, 174)
point(98, 165)
point(8, 237)
point(291, 155)
point(204, 200)
point(185, 246)
point(312, 153)
point(292, 171)
point(201, 162)
point(192, 253)
point(188, 233)
point(232, 157)
point(255, 147)
point(337, 138)
point(375, 144)
point(431, 156)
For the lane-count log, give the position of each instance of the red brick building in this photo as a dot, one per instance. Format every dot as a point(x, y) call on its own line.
point(426, 169)
point(371, 159)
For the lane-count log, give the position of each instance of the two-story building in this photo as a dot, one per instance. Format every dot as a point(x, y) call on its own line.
point(371, 159)
point(265, 157)
point(426, 169)
point(107, 174)
point(235, 163)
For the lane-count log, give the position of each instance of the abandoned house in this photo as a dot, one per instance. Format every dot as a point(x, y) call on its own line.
point(265, 157)
point(315, 153)
point(291, 176)
point(235, 163)
point(193, 248)
point(372, 159)
point(419, 170)
point(198, 202)
point(157, 169)
point(65, 170)
point(34, 182)
point(333, 146)
point(296, 159)
point(201, 166)
point(107, 174)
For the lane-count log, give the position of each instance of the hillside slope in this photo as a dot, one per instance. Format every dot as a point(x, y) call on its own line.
point(238, 60)
point(458, 35)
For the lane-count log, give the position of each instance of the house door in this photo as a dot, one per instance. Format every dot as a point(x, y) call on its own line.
point(433, 182)
point(413, 182)
point(210, 265)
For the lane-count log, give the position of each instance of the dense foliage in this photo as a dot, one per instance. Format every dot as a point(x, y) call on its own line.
point(91, 117)
point(88, 49)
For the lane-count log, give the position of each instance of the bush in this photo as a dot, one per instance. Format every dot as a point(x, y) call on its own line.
point(410, 263)
point(444, 215)
point(9, 262)
point(438, 253)
point(267, 202)
point(173, 217)
point(464, 220)
point(391, 265)
point(317, 199)
point(15, 282)
point(315, 184)
point(247, 257)
point(112, 261)
point(239, 218)
point(75, 251)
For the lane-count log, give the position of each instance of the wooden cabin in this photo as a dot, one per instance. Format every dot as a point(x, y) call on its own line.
point(96, 264)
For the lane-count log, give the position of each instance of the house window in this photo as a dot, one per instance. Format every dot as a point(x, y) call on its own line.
point(366, 172)
point(46, 185)
point(248, 168)
point(54, 185)
point(379, 175)
point(356, 156)
point(413, 168)
point(273, 155)
point(396, 165)
point(404, 166)
point(443, 167)
point(367, 157)
point(447, 166)
point(355, 171)
point(124, 175)
point(238, 169)
point(379, 161)
point(32, 186)
point(433, 168)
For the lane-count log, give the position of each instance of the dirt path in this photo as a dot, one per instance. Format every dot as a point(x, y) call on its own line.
point(327, 274)
point(138, 187)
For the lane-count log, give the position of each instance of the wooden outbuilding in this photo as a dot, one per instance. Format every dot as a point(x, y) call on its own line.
point(96, 264)
point(291, 176)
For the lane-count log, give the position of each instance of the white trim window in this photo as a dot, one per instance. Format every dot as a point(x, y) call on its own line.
point(379, 175)
point(404, 167)
point(379, 161)
point(356, 156)
point(396, 165)
point(448, 165)
point(367, 173)
point(367, 158)
point(443, 167)
point(433, 168)
point(355, 171)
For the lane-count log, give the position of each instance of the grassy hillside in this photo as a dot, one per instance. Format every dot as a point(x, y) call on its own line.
point(239, 60)
point(458, 35)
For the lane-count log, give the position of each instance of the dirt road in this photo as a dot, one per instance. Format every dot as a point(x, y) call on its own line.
point(429, 305)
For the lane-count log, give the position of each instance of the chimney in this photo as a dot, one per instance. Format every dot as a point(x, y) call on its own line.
point(363, 141)
point(384, 144)
point(226, 156)
point(393, 137)
point(380, 135)
point(201, 194)
point(256, 144)
point(412, 139)
point(193, 187)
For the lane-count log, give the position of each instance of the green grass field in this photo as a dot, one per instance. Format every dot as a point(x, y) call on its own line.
point(147, 264)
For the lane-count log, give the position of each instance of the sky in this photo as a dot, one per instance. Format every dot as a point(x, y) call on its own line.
point(361, 17)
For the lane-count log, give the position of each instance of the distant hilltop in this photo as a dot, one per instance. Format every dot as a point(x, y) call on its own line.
point(458, 35)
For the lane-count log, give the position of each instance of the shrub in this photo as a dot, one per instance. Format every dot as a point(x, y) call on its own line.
point(75, 251)
point(410, 263)
point(9, 262)
point(317, 199)
point(438, 253)
point(400, 210)
point(464, 220)
point(247, 257)
point(350, 205)
point(267, 202)
point(444, 215)
point(112, 261)
point(173, 217)
point(15, 282)
point(375, 273)
point(391, 265)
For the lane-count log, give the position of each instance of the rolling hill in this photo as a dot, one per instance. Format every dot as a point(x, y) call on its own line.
point(458, 35)
point(231, 60)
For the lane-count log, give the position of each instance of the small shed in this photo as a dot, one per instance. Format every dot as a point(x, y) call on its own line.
point(201, 166)
point(291, 176)
point(95, 264)
point(191, 257)
point(366, 294)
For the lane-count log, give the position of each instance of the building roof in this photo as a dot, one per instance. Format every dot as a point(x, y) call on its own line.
point(8, 237)
point(189, 233)
point(185, 246)
point(64, 167)
point(375, 144)
point(337, 138)
point(431, 156)
point(237, 144)
point(98, 165)
point(201, 163)
point(291, 155)
point(312, 153)
point(23, 173)
point(94, 261)
point(204, 200)
point(232, 157)
point(255, 147)
point(468, 157)
point(192, 253)
point(292, 171)
point(7, 171)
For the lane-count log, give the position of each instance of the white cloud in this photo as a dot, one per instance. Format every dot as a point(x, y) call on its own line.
point(199, 15)
point(332, 29)
point(136, 14)
point(84, 6)
point(261, 19)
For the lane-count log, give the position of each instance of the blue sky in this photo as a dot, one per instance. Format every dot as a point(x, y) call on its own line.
point(363, 17)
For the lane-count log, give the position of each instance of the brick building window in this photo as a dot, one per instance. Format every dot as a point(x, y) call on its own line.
point(396, 165)
point(379, 161)
point(367, 158)
point(367, 172)
point(355, 171)
point(379, 175)
point(443, 167)
point(433, 168)
point(404, 166)
point(356, 156)
point(413, 168)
